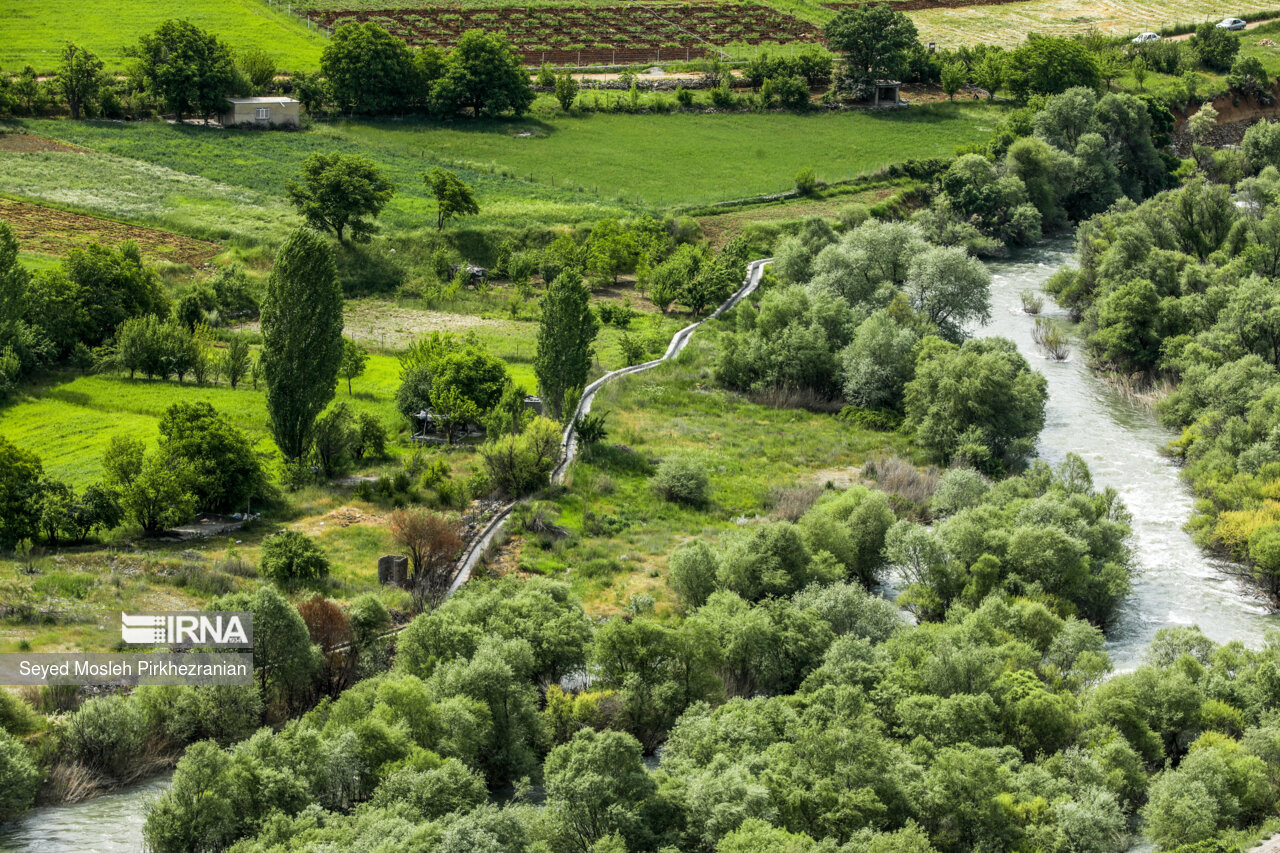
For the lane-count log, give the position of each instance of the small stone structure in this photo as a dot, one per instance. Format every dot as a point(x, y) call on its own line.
point(262, 112)
point(393, 569)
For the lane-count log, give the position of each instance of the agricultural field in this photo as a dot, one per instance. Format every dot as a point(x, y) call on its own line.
point(34, 33)
point(1009, 23)
point(49, 232)
point(228, 184)
point(595, 35)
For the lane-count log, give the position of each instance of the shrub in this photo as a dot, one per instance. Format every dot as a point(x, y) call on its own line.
point(16, 716)
point(292, 556)
point(682, 479)
point(518, 465)
point(806, 182)
point(692, 574)
point(106, 735)
point(19, 777)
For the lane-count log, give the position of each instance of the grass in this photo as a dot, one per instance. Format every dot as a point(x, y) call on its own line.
point(621, 533)
point(222, 184)
point(34, 33)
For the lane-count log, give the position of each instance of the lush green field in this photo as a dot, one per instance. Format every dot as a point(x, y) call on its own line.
point(687, 159)
point(220, 184)
point(33, 33)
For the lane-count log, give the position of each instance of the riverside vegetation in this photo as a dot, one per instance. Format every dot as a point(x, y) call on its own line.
point(703, 583)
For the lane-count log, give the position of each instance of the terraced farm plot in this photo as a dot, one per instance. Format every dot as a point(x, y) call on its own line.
point(594, 34)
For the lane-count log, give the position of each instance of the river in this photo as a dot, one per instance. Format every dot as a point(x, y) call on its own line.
point(1176, 584)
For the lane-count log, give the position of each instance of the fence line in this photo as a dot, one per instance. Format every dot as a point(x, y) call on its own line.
point(304, 18)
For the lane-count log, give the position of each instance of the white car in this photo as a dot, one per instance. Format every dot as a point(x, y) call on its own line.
point(1231, 24)
point(1143, 38)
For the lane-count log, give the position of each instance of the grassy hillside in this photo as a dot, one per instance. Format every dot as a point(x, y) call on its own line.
point(221, 184)
point(33, 33)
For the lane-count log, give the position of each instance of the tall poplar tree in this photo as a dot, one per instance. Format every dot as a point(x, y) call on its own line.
point(301, 339)
point(565, 336)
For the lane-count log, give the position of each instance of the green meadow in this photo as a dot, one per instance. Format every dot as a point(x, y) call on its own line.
point(34, 33)
point(223, 184)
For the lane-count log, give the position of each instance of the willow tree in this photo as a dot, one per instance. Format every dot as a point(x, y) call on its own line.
point(301, 339)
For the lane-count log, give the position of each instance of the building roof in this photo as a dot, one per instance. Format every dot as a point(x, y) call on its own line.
point(270, 100)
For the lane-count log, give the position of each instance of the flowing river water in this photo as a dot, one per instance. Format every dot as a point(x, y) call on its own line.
point(1176, 583)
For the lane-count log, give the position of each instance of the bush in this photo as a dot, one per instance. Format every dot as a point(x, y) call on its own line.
point(519, 465)
point(106, 735)
point(806, 182)
point(682, 479)
point(16, 716)
point(692, 574)
point(290, 556)
point(19, 777)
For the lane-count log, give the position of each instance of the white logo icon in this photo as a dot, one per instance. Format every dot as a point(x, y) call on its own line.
point(143, 629)
point(186, 629)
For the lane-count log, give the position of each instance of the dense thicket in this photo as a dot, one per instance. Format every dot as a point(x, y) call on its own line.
point(877, 318)
point(809, 715)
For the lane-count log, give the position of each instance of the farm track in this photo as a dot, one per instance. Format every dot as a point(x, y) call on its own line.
point(480, 542)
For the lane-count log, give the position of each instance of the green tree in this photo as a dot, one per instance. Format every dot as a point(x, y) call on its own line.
point(224, 470)
point(1261, 145)
point(354, 359)
point(596, 786)
point(876, 41)
point(20, 473)
point(1214, 47)
point(19, 777)
point(258, 66)
point(158, 495)
point(283, 657)
point(566, 90)
point(237, 362)
point(989, 73)
point(484, 74)
point(1127, 337)
point(370, 71)
point(341, 193)
point(188, 69)
point(1139, 71)
point(453, 197)
point(290, 556)
point(79, 79)
point(566, 333)
point(981, 401)
point(1047, 65)
point(203, 808)
point(301, 339)
point(950, 289)
point(953, 77)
